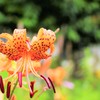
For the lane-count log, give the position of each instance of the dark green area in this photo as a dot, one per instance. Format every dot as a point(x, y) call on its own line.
point(79, 20)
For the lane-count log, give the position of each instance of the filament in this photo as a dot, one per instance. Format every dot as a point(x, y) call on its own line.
point(26, 65)
point(46, 81)
point(32, 69)
point(52, 85)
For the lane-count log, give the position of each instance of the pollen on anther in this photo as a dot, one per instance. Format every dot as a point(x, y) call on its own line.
point(52, 85)
point(20, 79)
point(46, 81)
point(1, 85)
point(32, 88)
point(8, 89)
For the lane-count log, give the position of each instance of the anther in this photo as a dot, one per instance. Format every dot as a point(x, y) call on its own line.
point(8, 89)
point(1, 85)
point(32, 88)
point(20, 79)
point(33, 93)
point(32, 85)
point(46, 81)
point(53, 87)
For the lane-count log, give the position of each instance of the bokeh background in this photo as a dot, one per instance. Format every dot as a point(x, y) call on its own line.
point(76, 60)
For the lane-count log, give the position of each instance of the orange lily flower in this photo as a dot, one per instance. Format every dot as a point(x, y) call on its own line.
point(19, 50)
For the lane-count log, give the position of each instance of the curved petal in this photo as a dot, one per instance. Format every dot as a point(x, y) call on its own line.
point(16, 45)
point(6, 36)
point(6, 47)
point(45, 40)
point(19, 40)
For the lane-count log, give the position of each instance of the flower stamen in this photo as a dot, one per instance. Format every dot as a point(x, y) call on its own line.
point(1, 85)
point(52, 85)
point(32, 69)
point(20, 79)
point(32, 88)
point(28, 81)
point(46, 81)
point(49, 83)
point(8, 89)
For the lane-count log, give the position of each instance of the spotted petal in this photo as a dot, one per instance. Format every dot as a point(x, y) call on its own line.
point(19, 40)
point(6, 47)
point(42, 43)
point(16, 45)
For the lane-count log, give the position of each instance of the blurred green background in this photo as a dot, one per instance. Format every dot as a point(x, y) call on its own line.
point(77, 48)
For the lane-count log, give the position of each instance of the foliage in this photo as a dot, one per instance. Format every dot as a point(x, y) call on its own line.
point(80, 17)
point(79, 21)
point(85, 90)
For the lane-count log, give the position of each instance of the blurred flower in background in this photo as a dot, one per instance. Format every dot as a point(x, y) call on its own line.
point(57, 75)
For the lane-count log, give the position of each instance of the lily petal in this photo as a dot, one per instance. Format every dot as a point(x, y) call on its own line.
point(44, 41)
point(19, 40)
point(16, 45)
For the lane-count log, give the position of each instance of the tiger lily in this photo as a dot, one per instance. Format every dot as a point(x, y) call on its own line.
point(22, 53)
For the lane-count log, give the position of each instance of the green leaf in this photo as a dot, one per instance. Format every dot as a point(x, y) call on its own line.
point(72, 35)
point(2, 18)
point(97, 35)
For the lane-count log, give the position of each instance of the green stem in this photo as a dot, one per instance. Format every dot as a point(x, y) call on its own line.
point(13, 89)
